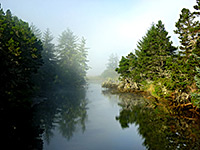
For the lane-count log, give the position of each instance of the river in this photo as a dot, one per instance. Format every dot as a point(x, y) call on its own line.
point(99, 128)
point(94, 118)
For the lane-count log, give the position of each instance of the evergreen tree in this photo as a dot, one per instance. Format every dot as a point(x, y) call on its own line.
point(112, 64)
point(72, 58)
point(37, 32)
point(48, 46)
point(153, 51)
point(82, 55)
point(20, 55)
point(47, 72)
point(66, 52)
point(188, 28)
point(128, 67)
point(196, 96)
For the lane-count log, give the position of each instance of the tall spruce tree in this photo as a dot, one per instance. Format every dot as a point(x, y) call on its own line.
point(82, 58)
point(47, 72)
point(37, 32)
point(188, 29)
point(187, 34)
point(71, 56)
point(153, 51)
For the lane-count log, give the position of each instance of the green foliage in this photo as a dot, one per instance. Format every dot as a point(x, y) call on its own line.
point(123, 67)
point(127, 66)
point(196, 96)
point(30, 60)
point(158, 61)
point(159, 128)
point(65, 64)
point(197, 77)
point(157, 91)
point(151, 58)
point(37, 32)
point(20, 54)
point(183, 70)
point(47, 72)
point(82, 55)
point(71, 58)
point(153, 51)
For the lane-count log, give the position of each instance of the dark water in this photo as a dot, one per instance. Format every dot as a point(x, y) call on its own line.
point(94, 119)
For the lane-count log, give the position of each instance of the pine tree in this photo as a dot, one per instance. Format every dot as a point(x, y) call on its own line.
point(66, 52)
point(48, 46)
point(47, 72)
point(153, 51)
point(82, 58)
point(37, 32)
point(128, 67)
point(112, 64)
point(72, 58)
point(188, 28)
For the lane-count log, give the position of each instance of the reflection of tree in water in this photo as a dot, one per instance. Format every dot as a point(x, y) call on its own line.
point(159, 128)
point(64, 109)
point(70, 117)
point(18, 131)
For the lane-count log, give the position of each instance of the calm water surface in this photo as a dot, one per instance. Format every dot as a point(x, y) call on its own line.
point(95, 119)
point(92, 125)
point(62, 118)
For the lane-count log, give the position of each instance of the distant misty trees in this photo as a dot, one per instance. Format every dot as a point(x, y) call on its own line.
point(30, 60)
point(109, 72)
point(65, 63)
point(34, 69)
point(71, 54)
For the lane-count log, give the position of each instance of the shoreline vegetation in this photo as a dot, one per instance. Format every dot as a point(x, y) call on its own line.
point(165, 72)
point(175, 102)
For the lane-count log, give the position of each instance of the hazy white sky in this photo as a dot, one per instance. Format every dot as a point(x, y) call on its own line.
point(110, 26)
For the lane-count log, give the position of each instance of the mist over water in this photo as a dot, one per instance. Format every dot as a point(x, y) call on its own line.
point(54, 56)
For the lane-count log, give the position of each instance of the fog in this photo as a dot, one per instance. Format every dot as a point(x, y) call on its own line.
point(109, 26)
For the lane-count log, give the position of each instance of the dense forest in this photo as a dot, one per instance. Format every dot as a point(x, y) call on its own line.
point(37, 74)
point(32, 66)
point(30, 60)
point(163, 69)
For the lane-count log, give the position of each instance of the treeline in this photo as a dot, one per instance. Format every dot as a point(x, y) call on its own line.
point(31, 61)
point(166, 70)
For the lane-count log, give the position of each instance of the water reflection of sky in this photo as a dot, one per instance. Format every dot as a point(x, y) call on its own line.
point(103, 131)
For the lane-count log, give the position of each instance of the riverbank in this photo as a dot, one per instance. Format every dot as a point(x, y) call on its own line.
point(157, 94)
